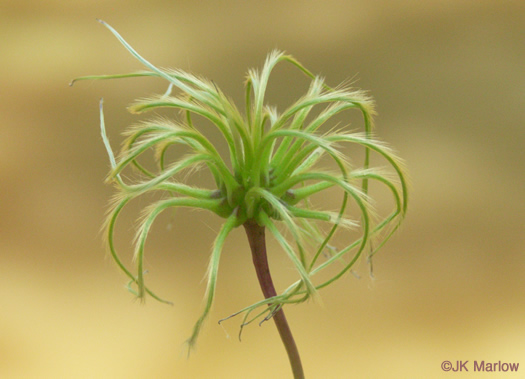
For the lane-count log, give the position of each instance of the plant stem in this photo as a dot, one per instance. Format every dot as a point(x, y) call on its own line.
point(256, 238)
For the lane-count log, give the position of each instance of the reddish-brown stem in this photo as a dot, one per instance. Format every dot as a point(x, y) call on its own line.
point(257, 241)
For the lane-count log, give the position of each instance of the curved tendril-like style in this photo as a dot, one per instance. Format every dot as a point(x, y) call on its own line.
point(271, 172)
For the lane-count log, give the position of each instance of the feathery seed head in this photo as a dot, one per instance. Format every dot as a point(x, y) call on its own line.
point(271, 171)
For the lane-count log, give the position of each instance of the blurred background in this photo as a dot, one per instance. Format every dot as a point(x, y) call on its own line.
point(449, 80)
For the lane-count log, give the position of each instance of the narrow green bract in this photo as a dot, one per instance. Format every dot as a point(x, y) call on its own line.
point(270, 174)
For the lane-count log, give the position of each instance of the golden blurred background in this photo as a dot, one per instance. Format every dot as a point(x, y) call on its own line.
point(449, 80)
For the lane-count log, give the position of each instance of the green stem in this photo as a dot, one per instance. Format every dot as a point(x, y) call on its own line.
point(256, 238)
